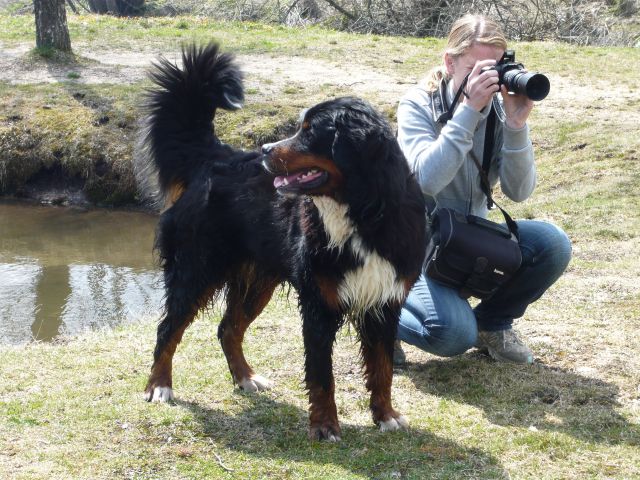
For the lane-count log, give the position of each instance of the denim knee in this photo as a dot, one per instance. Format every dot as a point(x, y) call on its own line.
point(559, 248)
point(547, 242)
point(452, 339)
point(436, 320)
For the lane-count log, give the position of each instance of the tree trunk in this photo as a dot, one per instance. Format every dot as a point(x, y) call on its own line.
point(51, 25)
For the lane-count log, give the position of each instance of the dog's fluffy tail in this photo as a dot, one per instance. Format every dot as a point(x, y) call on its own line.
point(178, 130)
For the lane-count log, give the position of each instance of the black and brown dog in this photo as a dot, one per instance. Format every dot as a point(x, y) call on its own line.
point(333, 210)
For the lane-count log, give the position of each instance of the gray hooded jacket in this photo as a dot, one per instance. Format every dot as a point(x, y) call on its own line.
point(439, 154)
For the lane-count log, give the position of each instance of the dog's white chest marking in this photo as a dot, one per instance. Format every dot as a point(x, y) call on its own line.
point(375, 282)
point(336, 221)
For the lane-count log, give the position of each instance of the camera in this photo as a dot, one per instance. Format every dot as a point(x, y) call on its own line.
point(534, 85)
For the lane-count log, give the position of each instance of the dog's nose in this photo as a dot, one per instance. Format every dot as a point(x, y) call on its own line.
point(267, 147)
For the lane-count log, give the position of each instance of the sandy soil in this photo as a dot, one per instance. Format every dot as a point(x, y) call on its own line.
point(129, 67)
point(567, 97)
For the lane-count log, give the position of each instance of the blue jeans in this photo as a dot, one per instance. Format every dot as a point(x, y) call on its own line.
point(435, 319)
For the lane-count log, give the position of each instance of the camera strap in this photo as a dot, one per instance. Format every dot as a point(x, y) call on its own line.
point(448, 113)
point(487, 154)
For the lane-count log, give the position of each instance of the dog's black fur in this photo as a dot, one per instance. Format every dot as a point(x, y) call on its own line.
point(349, 238)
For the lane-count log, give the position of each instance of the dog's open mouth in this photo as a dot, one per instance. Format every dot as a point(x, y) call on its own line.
point(304, 180)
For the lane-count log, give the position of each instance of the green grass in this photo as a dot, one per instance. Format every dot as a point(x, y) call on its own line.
point(74, 409)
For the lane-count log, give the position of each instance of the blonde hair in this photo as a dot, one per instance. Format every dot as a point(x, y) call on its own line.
point(466, 32)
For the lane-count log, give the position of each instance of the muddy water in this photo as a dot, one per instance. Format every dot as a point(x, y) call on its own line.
point(64, 271)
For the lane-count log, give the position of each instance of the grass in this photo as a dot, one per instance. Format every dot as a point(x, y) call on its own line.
point(74, 409)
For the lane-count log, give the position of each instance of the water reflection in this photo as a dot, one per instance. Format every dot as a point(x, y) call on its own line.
point(63, 271)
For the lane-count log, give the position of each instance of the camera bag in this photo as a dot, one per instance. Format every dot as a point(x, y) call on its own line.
point(468, 253)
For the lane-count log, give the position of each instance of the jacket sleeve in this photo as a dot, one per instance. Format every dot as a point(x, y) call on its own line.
point(517, 167)
point(435, 157)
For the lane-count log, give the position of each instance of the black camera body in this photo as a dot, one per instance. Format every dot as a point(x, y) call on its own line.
point(536, 86)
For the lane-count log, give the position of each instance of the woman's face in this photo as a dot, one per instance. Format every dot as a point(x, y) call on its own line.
point(458, 67)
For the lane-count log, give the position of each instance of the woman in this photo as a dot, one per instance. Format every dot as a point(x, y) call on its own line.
point(434, 317)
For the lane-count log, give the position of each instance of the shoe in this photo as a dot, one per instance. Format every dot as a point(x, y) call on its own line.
point(504, 346)
point(399, 358)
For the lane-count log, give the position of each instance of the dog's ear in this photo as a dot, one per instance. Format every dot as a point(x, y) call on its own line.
point(357, 137)
point(368, 154)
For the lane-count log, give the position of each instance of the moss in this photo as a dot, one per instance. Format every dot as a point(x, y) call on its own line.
point(257, 124)
point(86, 134)
point(71, 130)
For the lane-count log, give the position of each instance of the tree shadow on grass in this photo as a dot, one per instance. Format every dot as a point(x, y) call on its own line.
point(539, 396)
point(275, 430)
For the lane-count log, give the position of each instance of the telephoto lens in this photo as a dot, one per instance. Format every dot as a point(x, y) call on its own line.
point(536, 86)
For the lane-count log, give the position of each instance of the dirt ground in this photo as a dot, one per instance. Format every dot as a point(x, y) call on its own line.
point(128, 67)
point(567, 97)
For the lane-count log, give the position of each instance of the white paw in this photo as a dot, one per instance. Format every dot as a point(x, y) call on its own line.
point(255, 383)
point(160, 394)
point(334, 438)
point(400, 423)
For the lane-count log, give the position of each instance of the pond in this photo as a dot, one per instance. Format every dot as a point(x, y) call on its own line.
point(66, 270)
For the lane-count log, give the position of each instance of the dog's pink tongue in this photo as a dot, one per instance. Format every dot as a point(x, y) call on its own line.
point(281, 181)
point(300, 177)
point(286, 180)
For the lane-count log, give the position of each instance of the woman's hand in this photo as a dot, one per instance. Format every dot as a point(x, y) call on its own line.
point(516, 108)
point(481, 85)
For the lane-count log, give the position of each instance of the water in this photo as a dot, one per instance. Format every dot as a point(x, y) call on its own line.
point(64, 271)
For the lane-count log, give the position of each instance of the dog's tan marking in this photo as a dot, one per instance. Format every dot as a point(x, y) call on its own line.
point(323, 414)
point(378, 370)
point(284, 159)
point(246, 297)
point(173, 194)
point(329, 291)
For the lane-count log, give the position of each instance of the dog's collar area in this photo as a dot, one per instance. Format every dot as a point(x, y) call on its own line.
point(303, 180)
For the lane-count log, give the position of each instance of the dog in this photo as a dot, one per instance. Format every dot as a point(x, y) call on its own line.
point(334, 211)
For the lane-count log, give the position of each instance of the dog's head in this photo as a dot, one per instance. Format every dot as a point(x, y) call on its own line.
point(343, 148)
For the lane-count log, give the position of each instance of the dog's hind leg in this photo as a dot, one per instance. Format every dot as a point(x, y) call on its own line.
point(182, 305)
point(377, 333)
point(191, 278)
point(247, 295)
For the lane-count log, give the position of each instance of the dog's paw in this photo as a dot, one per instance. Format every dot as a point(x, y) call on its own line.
point(327, 431)
point(159, 394)
point(394, 423)
point(254, 383)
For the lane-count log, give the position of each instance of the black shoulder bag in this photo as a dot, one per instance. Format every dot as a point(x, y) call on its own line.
point(469, 253)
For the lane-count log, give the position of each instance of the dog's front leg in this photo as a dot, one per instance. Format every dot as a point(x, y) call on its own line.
point(319, 330)
point(377, 334)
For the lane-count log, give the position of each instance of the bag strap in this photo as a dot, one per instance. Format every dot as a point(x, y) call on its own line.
point(487, 154)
